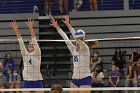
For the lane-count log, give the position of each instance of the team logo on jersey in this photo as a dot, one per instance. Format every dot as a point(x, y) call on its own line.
point(30, 61)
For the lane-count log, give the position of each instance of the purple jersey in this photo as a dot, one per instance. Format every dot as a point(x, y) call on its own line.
point(114, 75)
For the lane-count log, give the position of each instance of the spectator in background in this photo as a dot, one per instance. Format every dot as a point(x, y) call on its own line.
point(135, 61)
point(97, 78)
point(134, 58)
point(56, 88)
point(78, 4)
point(95, 60)
point(131, 77)
point(48, 7)
point(35, 9)
point(119, 60)
point(93, 5)
point(8, 64)
point(2, 80)
point(14, 80)
point(114, 77)
point(63, 7)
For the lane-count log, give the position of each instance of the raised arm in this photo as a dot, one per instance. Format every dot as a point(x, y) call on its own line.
point(81, 43)
point(33, 35)
point(21, 43)
point(67, 22)
point(64, 36)
point(15, 28)
point(30, 25)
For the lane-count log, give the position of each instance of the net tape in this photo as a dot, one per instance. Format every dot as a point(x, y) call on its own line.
point(75, 89)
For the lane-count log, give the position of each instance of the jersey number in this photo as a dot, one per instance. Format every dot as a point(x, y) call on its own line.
point(75, 58)
point(30, 61)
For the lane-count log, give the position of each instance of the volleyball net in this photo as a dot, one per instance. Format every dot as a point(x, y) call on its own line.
point(57, 71)
point(67, 90)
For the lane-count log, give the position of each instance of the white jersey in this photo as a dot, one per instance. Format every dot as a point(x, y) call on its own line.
point(81, 57)
point(31, 61)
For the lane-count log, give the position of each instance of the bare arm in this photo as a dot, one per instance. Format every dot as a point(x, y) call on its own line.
point(94, 78)
point(30, 25)
point(110, 80)
point(21, 43)
point(15, 28)
point(33, 35)
point(99, 61)
point(118, 79)
point(131, 59)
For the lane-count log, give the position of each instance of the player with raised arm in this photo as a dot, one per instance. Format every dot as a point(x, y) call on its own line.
point(31, 58)
point(81, 56)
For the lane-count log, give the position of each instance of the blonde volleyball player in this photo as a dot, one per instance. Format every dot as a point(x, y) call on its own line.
point(81, 73)
point(31, 58)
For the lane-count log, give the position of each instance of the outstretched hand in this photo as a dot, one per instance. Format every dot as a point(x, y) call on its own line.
point(14, 25)
point(67, 20)
point(15, 28)
point(30, 23)
point(54, 23)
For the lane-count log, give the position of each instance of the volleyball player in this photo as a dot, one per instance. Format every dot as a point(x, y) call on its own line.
point(81, 56)
point(31, 58)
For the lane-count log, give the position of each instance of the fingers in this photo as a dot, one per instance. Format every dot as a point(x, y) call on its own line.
point(51, 24)
point(63, 21)
point(26, 23)
point(66, 17)
point(53, 20)
point(30, 20)
point(13, 23)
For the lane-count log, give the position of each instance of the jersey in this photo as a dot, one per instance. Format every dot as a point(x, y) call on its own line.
point(31, 61)
point(81, 57)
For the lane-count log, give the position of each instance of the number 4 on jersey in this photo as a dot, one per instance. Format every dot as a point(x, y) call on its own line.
point(30, 61)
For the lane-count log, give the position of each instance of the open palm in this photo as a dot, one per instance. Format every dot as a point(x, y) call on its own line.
point(54, 23)
point(14, 25)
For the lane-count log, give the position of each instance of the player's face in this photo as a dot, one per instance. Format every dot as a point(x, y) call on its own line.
point(31, 47)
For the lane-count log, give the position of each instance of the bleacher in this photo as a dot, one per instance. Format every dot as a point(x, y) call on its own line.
point(17, 6)
point(26, 6)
